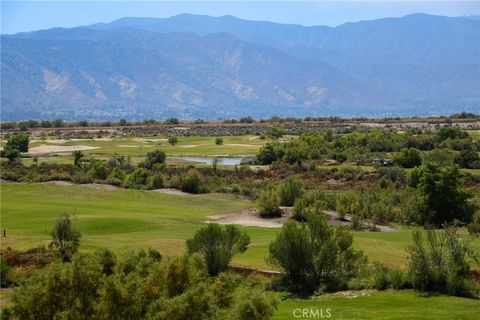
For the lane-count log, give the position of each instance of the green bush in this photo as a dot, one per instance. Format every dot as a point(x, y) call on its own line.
point(65, 237)
point(440, 261)
point(192, 182)
point(218, 141)
point(137, 180)
point(268, 203)
point(315, 256)
point(290, 190)
point(218, 245)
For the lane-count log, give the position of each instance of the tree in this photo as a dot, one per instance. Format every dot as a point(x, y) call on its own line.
point(290, 190)
point(409, 158)
point(138, 179)
point(18, 142)
point(314, 255)
point(468, 159)
point(440, 262)
point(218, 141)
point(442, 195)
point(172, 121)
point(218, 245)
point(11, 154)
point(270, 152)
point(153, 158)
point(77, 158)
point(172, 140)
point(191, 182)
point(275, 133)
point(65, 237)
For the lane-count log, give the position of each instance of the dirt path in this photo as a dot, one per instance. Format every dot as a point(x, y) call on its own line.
point(174, 192)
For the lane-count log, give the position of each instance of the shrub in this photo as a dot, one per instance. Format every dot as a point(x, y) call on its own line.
point(218, 245)
point(442, 195)
point(153, 158)
point(98, 170)
point(138, 179)
point(218, 141)
point(157, 181)
point(5, 271)
point(439, 261)
point(172, 140)
point(65, 237)
point(191, 182)
point(409, 158)
point(269, 203)
point(290, 190)
point(315, 256)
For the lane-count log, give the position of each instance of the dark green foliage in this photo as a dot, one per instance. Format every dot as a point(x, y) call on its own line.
point(315, 256)
point(107, 260)
point(138, 179)
point(65, 237)
point(218, 245)
point(77, 157)
point(218, 141)
point(18, 142)
point(409, 158)
point(450, 133)
point(157, 181)
point(442, 195)
point(270, 153)
point(149, 288)
point(439, 261)
point(98, 170)
point(468, 159)
point(474, 227)
point(172, 121)
point(290, 190)
point(268, 203)
point(191, 182)
point(172, 140)
point(316, 200)
point(153, 158)
point(276, 133)
point(5, 271)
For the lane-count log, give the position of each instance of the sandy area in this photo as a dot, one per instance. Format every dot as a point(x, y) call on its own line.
point(174, 192)
point(248, 218)
point(103, 139)
point(130, 146)
point(239, 145)
point(59, 183)
point(55, 149)
point(100, 186)
point(189, 146)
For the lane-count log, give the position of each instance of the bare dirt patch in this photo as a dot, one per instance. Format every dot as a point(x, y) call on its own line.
point(189, 146)
point(56, 149)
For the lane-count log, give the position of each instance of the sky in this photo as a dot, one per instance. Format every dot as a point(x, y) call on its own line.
point(20, 16)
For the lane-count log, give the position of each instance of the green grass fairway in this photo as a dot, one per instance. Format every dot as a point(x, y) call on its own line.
point(124, 219)
point(186, 146)
point(117, 219)
point(405, 304)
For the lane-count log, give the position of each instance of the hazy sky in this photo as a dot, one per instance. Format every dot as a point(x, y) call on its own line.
point(17, 16)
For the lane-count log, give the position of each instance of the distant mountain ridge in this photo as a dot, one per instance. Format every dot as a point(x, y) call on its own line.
point(193, 66)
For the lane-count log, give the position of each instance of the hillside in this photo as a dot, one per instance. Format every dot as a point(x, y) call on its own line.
point(199, 66)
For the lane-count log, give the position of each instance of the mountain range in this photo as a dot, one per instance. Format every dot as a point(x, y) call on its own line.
point(193, 66)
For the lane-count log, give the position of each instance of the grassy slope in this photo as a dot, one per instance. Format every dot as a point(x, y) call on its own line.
point(405, 304)
point(131, 219)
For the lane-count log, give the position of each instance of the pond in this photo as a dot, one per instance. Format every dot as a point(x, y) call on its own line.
point(209, 160)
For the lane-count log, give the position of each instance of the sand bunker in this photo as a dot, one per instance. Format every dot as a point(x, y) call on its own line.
point(239, 145)
point(174, 192)
point(59, 183)
point(55, 149)
point(189, 146)
point(248, 218)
